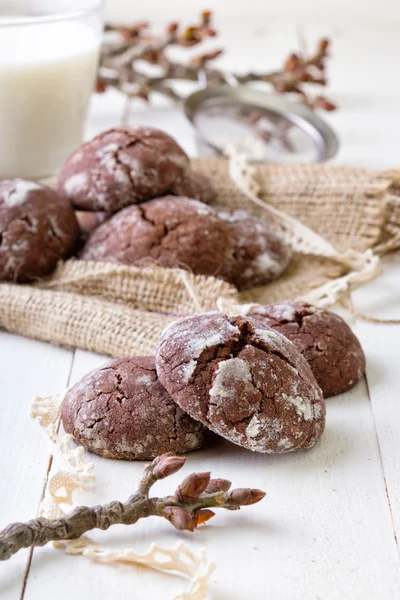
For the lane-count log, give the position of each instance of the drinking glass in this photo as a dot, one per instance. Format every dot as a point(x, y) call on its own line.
point(49, 53)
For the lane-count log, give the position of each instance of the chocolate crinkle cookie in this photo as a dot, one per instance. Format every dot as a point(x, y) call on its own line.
point(323, 338)
point(258, 254)
point(37, 228)
point(243, 380)
point(170, 231)
point(123, 411)
point(120, 167)
point(195, 185)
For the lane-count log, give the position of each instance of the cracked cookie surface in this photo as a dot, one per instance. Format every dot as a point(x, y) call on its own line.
point(37, 229)
point(244, 381)
point(122, 411)
point(258, 254)
point(170, 231)
point(120, 167)
point(324, 339)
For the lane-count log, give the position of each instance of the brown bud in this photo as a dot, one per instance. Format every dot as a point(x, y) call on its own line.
point(292, 63)
point(244, 496)
point(206, 17)
point(202, 59)
point(167, 464)
point(323, 45)
point(218, 485)
point(208, 32)
point(305, 76)
point(191, 36)
point(172, 27)
point(202, 515)
point(134, 31)
point(180, 519)
point(143, 95)
point(191, 32)
point(325, 104)
point(100, 86)
point(152, 56)
point(288, 86)
point(192, 486)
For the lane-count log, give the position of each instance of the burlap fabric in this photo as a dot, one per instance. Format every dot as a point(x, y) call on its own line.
point(118, 310)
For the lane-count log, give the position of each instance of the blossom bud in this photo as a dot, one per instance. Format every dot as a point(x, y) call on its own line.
point(244, 496)
point(218, 485)
point(292, 62)
point(179, 518)
point(325, 104)
point(192, 486)
point(202, 516)
point(167, 464)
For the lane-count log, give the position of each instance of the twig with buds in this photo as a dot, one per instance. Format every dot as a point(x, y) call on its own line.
point(188, 508)
point(127, 48)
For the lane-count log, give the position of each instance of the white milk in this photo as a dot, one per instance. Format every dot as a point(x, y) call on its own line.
point(47, 74)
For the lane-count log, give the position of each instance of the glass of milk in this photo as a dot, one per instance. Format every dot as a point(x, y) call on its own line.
point(49, 52)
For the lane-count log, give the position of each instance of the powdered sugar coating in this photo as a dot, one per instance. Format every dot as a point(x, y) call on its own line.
point(170, 231)
point(189, 369)
point(322, 337)
point(215, 330)
point(269, 336)
point(19, 192)
point(122, 411)
point(258, 255)
point(303, 408)
point(249, 384)
point(227, 372)
point(265, 262)
point(145, 379)
point(253, 428)
point(75, 184)
point(37, 228)
point(122, 166)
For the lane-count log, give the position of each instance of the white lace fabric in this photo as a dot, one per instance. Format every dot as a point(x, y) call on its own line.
point(361, 266)
point(70, 472)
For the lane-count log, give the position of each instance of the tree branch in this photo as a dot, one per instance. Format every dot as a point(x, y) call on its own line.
point(186, 509)
point(129, 44)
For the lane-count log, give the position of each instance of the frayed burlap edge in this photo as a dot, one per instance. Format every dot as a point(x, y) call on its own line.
point(154, 289)
point(117, 310)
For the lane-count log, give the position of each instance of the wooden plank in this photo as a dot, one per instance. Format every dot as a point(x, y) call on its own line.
point(27, 369)
point(324, 529)
point(366, 100)
point(381, 299)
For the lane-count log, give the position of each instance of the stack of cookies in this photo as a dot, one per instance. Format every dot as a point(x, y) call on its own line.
point(259, 381)
point(137, 202)
point(162, 214)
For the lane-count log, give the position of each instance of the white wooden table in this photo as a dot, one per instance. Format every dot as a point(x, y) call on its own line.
point(329, 526)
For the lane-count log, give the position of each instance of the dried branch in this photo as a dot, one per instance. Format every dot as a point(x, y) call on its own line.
point(125, 46)
point(188, 508)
